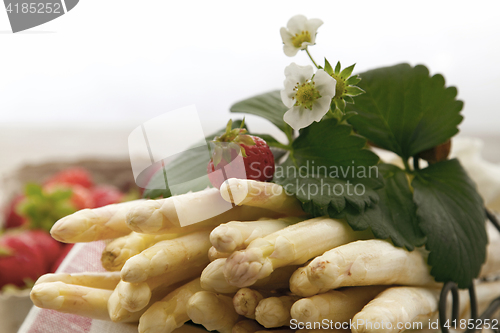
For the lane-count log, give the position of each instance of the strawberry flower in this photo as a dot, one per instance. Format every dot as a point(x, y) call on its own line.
point(308, 96)
point(299, 33)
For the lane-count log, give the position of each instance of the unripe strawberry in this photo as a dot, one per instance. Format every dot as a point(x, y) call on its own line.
point(258, 160)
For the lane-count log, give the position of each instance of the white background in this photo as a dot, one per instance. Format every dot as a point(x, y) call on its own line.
point(117, 63)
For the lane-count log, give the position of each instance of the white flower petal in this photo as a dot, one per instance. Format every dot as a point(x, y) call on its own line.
point(312, 26)
point(320, 107)
point(288, 93)
point(324, 83)
point(298, 73)
point(286, 36)
point(299, 117)
point(297, 24)
point(290, 50)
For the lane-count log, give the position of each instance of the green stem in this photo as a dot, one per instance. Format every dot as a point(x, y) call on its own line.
point(310, 57)
point(407, 166)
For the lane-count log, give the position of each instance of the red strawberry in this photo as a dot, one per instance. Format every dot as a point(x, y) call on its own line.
point(81, 197)
point(19, 261)
point(72, 176)
point(64, 252)
point(258, 159)
point(45, 244)
point(105, 195)
point(12, 217)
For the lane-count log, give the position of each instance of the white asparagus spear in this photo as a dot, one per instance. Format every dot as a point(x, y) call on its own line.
point(171, 312)
point(121, 249)
point(245, 302)
point(247, 326)
point(213, 254)
point(275, 311)
point(293, 245)
point(335, 305)
point(213, 311)
point(162, 216)
point(135, 296)
point(413, 306)
point(397, 306)
point(212, 278)
point(167, 256)
point(261, 194)
point(361, 263)
point(104, 280)
point(74, 299)
point(88, 225)
point(234, 235)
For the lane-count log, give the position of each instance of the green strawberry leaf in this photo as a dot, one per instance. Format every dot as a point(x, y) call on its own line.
point(394, 216)
point(405, 110)
point(451, 214)
point(328, 167)
point(43, 208)
point(188, 170)
point(268, 106)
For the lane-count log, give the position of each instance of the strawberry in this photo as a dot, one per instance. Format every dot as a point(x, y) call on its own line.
point(12, 217)
point(19, 261)
point(105, 195)
point(72, 176)
point(45, 244)
point(80, 198)
point(258, 160)
point(64, 252)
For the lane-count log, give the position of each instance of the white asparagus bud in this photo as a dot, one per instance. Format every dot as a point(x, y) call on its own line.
point(245, 302)
point(404, 305)
point(88, 225)
point(213, 311)
point(117, 313)
point(104, 280)
point(171, 312)
point(300, 284)
point(246, 326)
point(275, 311)
point(335, 305)
point(161, 216)
point(121, 249)
point(261, 194)
point(74, 299)
point(212, 278)
point(213, 254)
point(167, 256)
point(361, 263)
point(232, 236)
point(293, 245)
point(136, 296)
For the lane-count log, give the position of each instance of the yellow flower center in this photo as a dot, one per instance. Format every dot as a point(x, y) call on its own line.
point(298, 39)
point(306, 94)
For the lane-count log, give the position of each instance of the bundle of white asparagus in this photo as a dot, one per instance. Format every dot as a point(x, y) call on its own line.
point(262, 264)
